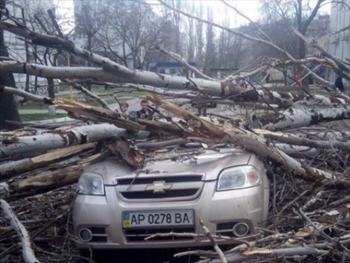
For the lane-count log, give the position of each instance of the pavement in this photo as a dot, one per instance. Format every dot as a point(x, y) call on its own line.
point(39, 111)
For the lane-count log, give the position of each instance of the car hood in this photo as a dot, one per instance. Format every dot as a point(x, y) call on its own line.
point(207, 163)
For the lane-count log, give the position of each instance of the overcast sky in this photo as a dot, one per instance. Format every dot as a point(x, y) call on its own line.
point(249, 7)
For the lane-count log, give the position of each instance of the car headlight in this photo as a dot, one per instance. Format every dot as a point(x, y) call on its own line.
point(91, 184)
point(238, 177)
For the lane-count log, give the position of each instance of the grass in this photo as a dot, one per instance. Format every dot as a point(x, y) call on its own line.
point(31, 105)
point(41, 116)
point(109, 101)
point(135, 93)
point(78, 96)
point(107, 95)
point(115, 91)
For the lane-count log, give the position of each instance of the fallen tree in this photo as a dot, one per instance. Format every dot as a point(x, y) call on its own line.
point(28, 253)
point(293, 180)
point(16, 146)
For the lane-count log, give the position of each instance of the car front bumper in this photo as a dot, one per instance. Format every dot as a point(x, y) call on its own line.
point(219, 211)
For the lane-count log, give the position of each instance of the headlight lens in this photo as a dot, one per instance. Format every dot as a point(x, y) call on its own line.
point(91, 184)
point(238, 178)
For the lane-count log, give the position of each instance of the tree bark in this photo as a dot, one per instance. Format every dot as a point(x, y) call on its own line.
point(250, 142)
point(51, 88)
point(137, 77)
point(296, 117)
point(21, 166)
point(27, 249)
point(48, 180)
point(44, 142)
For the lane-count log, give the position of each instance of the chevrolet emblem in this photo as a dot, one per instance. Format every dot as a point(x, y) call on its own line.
point(158, 187)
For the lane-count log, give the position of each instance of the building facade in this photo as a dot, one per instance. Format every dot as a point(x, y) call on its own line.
point(339, 41)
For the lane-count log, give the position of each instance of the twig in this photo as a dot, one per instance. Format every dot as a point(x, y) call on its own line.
point(173, 234)
point(28, 253)
point(216, 247)
point(307, 219)
point(287, 206)
point(88, 93)
point(178, 58)
point(33, 236)
point(26, 95)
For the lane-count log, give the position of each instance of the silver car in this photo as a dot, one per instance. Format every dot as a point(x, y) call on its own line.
point(117, 207)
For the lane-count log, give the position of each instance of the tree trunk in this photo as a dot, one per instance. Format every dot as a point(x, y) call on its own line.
point(48, 180)
point(28, 164)
point(27, 247)
point(27, 55)
point(302, 54)
point(8, 104)
point(51, 88)
point(50, 141)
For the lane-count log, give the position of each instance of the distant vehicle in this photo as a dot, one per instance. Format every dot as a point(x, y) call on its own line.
point(171, 68)
point(117, 207)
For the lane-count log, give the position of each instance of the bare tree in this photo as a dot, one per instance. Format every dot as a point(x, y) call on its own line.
point(298, 14)
point(231, 49)
point(191, 34)
point(176, 20)
point(137, 29)
point(8, 104)
point(200, 36)
point(310, 160)
point(210, 47)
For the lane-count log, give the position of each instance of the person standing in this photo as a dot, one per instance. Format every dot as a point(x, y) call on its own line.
point(145, 112)
point(124, 107)
point(339, 84)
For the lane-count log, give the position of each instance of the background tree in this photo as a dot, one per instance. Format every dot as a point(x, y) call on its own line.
point(200, 36)
point(210, 47)
point(137, 29)
point(298, 14)
point(231, 49)
point(8, 104)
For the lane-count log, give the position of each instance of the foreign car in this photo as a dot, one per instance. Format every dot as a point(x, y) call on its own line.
point(117, 207)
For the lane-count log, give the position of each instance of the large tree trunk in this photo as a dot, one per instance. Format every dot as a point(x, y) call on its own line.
point(302, 54)
point(8, 105)
point(51, 88)
point(49, 141)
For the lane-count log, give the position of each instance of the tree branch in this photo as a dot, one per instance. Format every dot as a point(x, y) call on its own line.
point(27, 250)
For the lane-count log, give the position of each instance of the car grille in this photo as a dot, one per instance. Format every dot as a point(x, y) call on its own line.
point(169, 194)
point(139, 235)
point(167, 179)
point(180, 188)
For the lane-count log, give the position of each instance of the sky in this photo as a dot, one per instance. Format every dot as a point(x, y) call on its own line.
point(249, 7)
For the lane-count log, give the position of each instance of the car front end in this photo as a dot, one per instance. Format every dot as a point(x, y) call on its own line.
point(117, 207)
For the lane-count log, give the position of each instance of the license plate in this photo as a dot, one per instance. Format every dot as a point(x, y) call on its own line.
point(158, 218)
